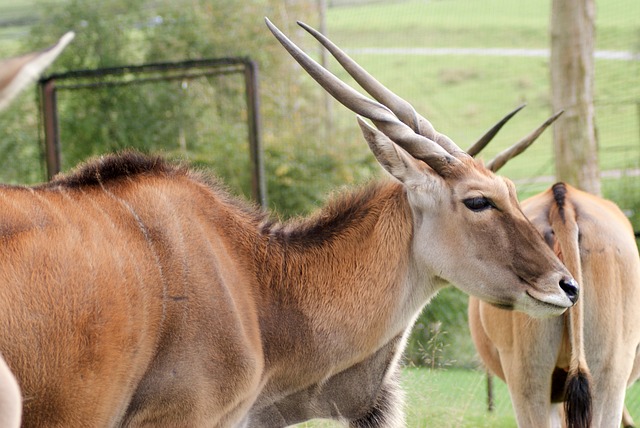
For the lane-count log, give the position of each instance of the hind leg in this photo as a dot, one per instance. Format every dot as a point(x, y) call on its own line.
point(528, 369)
point(529, 391)
point(609, 382)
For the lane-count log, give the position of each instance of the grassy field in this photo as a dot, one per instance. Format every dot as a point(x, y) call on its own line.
point(464, 23)
point(16, 17)
point(464, 95)
point(458, 399)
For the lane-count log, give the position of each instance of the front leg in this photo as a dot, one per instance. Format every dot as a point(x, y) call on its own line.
point(364, 395)
point(387, 410)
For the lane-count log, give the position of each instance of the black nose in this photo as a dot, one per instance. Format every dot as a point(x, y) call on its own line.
point(570, 287)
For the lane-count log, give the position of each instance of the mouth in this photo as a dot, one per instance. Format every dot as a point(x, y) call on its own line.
point(549, 307)
point(505, 306)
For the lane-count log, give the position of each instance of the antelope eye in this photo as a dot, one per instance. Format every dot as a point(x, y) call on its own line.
point(479, 203)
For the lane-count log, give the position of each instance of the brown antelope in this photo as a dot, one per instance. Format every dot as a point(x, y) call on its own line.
point(15, 74)
point(139, 293)
point(588, 357)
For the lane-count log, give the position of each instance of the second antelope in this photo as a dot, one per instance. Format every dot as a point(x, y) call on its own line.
point(588, 357)
point(134, 292)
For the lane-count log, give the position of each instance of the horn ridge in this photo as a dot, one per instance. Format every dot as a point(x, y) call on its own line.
point(503, 157)
point(482, 142)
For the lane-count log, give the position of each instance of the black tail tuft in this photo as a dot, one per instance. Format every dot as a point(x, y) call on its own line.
point(578, 401)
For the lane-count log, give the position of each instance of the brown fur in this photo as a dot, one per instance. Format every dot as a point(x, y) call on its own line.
point(127, 230)
point(596, 242)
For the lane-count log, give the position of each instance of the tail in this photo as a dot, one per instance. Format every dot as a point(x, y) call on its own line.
point(562, 217)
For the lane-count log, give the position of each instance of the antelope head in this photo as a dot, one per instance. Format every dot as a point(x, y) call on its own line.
point(468, 228)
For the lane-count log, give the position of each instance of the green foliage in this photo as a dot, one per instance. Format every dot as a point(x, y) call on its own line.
point(203, 120)
point(440, 337)
point(22, 160)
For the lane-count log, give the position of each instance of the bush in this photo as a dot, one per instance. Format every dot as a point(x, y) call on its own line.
point(441, 337)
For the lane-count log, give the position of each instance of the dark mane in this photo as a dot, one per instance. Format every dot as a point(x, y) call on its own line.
point(114, 167)
point(347, 210)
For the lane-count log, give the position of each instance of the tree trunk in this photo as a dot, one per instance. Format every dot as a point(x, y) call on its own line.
point(572, 76)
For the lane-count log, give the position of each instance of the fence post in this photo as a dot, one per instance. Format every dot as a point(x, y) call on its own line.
point(51, 131)
point(258, 186)
point(490, 404)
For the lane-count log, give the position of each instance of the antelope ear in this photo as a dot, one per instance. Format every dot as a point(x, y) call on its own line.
point(392, 157)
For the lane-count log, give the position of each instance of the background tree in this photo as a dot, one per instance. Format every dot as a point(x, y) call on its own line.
point(572, 89)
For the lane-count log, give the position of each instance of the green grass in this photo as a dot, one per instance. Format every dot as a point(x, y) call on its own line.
point(16, 19)
point(466, 23)
point(458, 398)
point(454, 23)
point(454, 398)
point(464, 96)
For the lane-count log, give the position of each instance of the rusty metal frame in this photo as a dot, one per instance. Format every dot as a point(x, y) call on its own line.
point(128, 75)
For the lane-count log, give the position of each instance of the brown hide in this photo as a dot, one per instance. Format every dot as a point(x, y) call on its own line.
point(145, 295)
point(162, 303)
point(121, 316)
point(528, 353)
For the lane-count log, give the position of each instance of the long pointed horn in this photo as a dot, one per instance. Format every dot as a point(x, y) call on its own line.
point(385, 120)
point(503, 157)
point(479, 145)
point(18, 72)
point(400, 107)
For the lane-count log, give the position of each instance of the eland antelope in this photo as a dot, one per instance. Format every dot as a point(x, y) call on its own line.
point(589, 356)
point(135, 292)
point(15, 74)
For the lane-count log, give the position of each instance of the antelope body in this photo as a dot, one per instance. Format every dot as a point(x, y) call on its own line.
point(596, 342)
point(134, 292)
